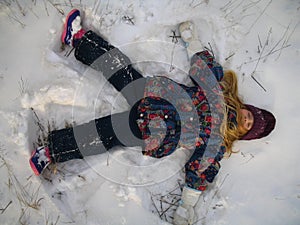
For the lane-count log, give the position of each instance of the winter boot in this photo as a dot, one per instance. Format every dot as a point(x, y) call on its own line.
point(72, 28)
point(190, 37)
point(40, 159)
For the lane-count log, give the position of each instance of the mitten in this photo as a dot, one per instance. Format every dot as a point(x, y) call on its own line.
point(185, 213)
point(189, 35)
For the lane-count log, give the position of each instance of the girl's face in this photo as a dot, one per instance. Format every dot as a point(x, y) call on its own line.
point(247, 119)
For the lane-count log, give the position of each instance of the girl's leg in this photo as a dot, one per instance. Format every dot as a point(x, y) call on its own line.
point(94, 51)
point(95, 137)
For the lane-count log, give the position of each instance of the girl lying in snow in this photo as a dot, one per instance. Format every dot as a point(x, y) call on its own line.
point(205, 118)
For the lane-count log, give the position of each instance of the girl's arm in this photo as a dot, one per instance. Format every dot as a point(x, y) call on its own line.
point(200, 171)
point(203, 61)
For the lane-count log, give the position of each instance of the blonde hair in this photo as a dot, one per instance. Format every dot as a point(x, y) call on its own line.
point(230, 131)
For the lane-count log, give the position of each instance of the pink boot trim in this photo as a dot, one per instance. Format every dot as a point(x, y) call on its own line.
point(65, 30)
point(78, 35)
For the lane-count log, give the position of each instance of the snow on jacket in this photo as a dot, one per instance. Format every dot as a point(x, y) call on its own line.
point(172, 115)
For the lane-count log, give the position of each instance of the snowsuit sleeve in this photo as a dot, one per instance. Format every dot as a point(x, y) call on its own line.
point(204, 61)
point(196, 176)
point(201, 169)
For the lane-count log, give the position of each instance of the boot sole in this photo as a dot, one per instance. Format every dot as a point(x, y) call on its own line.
point(70, 17)
point(32, 165)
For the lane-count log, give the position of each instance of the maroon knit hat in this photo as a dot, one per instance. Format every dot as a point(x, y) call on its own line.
point(264, 122)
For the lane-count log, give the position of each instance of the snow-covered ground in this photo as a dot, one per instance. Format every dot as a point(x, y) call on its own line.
point(42, 87)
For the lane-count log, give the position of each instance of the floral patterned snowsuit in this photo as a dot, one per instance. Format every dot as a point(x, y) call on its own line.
point(166, 125)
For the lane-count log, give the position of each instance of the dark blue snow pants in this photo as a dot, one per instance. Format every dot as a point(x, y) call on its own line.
point(104, 133)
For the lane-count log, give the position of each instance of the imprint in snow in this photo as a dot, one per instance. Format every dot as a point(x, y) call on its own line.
point(55, 94)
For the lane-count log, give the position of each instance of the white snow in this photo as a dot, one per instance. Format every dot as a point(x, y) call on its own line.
point(257, 185)
point(186, 34)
